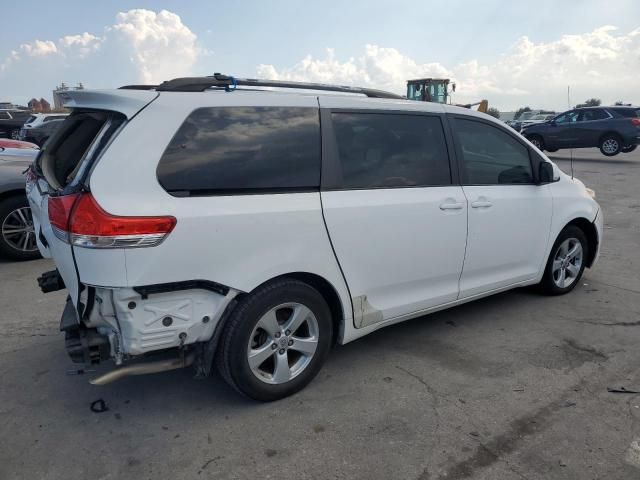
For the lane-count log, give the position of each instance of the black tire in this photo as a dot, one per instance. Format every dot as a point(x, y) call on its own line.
point(537, 141)
point(551, 150)
point(548, 284)
point(232, 354)
point(7, 249)
point(14, 134)
point(629, 148)
point(610, 145)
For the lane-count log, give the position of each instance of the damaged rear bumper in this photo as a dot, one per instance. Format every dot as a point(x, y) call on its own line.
point(129, 323)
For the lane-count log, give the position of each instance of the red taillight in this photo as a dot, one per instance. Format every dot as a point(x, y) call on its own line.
point(88, 225)
point(60, 211)
point(636, 122)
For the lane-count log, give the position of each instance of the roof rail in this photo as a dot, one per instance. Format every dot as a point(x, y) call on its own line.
point(200, 84)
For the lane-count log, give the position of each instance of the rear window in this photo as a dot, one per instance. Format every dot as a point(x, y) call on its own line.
point(628, 112)
point(81, 136)
point(227, 150)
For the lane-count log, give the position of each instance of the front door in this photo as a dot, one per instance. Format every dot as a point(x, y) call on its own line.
point(397, 223)
point(563, 132)
point(509, 216)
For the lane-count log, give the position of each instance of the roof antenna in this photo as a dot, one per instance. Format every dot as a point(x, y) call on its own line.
point(569, 106)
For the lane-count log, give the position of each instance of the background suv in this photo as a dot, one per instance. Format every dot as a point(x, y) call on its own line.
point(11, 121)
point(612, 129)
point(252, 229)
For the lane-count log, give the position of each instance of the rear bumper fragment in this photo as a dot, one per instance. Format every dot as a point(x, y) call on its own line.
point(84, 345)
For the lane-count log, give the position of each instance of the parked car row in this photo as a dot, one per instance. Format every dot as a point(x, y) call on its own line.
point(40, 126)
point(23, 125)
point(11, 121)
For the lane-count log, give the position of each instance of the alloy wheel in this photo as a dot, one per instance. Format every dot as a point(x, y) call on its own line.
point(610, 145)
point(567, 262)
point(283, 343)
point(18, 230)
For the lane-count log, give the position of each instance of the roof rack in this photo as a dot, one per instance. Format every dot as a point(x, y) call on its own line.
point(200, 84)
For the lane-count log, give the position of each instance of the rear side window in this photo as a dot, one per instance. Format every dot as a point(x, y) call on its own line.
point(391, 150)
point(628, 112)
point(226, 150)
point(491, 156)
point(593, 114)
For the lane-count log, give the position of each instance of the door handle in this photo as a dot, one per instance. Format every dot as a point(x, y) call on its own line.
point(451, 206)
point(481, 204)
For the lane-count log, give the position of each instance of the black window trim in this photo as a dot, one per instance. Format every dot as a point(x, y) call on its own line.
point(331, 177)
point(534, 159)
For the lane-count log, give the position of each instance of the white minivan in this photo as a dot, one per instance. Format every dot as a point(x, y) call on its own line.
point(253, 224)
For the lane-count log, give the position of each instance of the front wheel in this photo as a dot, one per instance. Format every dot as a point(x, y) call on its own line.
point(610, 145)
point(276, 340)
point(566, 262)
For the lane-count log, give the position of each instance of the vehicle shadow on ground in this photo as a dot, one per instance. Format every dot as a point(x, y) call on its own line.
point(179, 390)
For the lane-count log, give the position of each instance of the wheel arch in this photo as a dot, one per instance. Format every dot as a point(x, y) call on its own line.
point(608, 133)
point(590, 232)
point(12, 193)
point(328, 292)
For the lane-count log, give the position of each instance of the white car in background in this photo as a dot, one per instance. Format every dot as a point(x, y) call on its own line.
point(253, 228)
point(36, 122)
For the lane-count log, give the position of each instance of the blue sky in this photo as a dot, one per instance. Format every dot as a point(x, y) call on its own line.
point(479, 43)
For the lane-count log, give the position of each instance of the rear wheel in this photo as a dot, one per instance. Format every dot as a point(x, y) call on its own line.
point(629, 148)
point(14, 134)
point(610, 145)
point(537, 141)
point(276, 340)
point(566, 262)
point(17, 235)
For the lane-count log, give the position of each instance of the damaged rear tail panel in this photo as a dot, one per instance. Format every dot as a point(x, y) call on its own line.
point(60, 174)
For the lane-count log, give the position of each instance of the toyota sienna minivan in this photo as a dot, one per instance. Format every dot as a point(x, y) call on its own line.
point(250, 225)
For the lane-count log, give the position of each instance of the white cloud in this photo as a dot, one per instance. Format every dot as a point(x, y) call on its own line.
point(38, 48)
point(161, 45)
point(603, 63)
point(142, 46)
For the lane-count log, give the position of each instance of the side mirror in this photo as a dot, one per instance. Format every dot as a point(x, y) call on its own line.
point(545, 173)
point(553, 123)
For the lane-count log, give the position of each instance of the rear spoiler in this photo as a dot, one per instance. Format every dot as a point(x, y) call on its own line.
point(127, 102)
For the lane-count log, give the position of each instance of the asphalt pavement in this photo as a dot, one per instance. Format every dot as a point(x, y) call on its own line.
point(509, 387)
